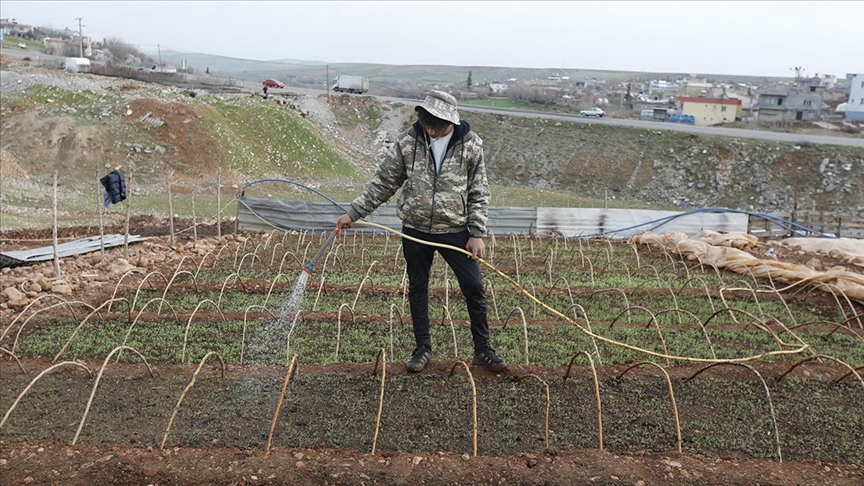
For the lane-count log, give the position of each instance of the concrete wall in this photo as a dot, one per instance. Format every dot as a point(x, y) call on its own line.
point(799, 99)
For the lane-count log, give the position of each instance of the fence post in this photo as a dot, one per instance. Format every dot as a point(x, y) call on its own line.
point(54, 231)
point(219, 203)
point(99, 204)
point(194, 224)
point(128, 214)
point(170, 210)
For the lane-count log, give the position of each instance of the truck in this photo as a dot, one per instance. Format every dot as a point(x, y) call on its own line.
point(351, 84)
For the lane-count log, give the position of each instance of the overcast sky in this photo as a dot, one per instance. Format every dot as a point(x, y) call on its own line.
point(733, 37)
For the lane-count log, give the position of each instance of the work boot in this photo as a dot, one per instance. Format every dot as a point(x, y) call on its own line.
point(419, 359)
point(489, 360)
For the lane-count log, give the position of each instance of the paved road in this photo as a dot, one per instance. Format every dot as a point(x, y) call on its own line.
point(648, 125)
point(676, 127)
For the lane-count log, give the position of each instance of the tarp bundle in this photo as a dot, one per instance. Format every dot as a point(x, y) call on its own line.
point(849, 250)
point(702, 248)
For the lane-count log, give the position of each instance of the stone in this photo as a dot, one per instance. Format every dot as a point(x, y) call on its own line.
point(62, 288)
point(18, 303)
point(119, 266)
point(12, 293)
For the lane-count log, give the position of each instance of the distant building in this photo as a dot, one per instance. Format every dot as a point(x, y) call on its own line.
point(802, 101)
point(63, 47)
point(498, 87)
point(710, 111)
point(11, 27)
point(855, 105)
point(658, 89)
point(697, 89)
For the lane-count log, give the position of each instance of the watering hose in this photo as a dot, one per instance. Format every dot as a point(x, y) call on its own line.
point(567, 319)
point(309, 266)
point(308, 269)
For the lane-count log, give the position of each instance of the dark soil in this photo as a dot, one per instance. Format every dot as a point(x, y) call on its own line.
point(326, 428)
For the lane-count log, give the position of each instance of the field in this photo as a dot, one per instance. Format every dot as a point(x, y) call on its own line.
point(628, 365)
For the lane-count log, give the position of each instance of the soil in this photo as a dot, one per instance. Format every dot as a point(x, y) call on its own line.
point(54, 463)
point(120, 441)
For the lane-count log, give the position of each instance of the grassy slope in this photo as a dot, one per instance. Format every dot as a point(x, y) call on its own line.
point(83, 133)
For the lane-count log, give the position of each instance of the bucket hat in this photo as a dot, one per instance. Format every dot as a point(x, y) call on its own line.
point(441, 105)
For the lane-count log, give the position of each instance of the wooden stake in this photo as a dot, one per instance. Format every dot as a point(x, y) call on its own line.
point(128, 215)
point(54, 232)
point(194, 225)
point(291, 370)
point(170, 210)
point(219, 203)
point(99, 205)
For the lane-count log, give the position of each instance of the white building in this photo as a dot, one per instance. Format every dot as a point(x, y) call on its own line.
point(498, 87)
point(855, 106)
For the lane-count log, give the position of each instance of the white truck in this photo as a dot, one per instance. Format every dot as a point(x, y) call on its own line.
point(351, 84)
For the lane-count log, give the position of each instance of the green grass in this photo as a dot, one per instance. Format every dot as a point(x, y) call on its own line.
point(563, 198)
point(11, 42)
point(262, 137)
point(521, 105)
point(359, 342)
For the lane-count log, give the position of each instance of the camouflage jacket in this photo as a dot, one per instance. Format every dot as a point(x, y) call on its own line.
point(452, 200)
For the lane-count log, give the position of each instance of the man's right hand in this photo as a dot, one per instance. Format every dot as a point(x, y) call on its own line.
point(344, 221)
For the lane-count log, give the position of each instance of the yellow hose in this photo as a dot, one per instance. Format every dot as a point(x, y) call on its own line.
point(571, 321)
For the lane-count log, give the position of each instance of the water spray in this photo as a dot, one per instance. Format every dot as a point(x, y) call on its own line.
point(311, 265)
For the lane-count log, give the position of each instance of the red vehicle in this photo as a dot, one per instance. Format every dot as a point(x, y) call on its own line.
point(272, 83)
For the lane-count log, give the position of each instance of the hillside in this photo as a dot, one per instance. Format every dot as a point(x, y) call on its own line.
point(316, 70)
point(82, 125)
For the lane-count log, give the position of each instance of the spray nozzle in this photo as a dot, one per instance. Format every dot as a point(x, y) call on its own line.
point(311, 265)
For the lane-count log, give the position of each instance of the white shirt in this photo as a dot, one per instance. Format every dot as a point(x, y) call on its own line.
point(439, 146)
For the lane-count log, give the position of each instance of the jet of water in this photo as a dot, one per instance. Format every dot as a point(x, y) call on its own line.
point(275, 336)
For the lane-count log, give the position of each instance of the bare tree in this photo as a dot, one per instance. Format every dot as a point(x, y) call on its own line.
point(121, 50)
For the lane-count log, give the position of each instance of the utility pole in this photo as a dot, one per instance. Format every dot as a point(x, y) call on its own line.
point(159, 50)
point(327, 84)
point(80, 35)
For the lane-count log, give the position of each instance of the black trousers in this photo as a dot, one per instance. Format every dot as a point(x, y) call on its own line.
point(418, 258)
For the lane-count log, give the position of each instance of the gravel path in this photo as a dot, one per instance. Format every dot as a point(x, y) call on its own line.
point(11, 81)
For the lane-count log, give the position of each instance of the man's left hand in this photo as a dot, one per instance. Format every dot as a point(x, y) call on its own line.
point(476, 247)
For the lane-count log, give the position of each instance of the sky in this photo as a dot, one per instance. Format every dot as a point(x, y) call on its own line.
point(697, 37)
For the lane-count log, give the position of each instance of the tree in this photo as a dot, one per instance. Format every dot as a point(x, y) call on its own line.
point(470, 83)
point(121, 51)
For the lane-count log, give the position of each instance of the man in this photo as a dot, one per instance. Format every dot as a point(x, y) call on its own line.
point(439, 165)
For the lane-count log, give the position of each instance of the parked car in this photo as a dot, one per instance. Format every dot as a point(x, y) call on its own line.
point(22, 45)
point(272, 83)
point(593, 112)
